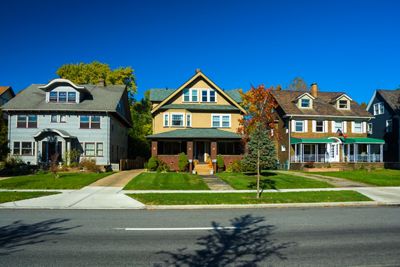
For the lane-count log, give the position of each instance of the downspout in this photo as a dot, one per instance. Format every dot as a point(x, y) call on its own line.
point(290, 146)
point(9, 132)
point(108, 137)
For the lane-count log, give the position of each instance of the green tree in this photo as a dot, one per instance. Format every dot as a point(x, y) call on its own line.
point(91, 73)
point(363, 105)
point(3, 137)
point(297, 84)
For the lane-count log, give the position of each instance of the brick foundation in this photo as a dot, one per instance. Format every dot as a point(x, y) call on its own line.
point(170, 160)
point(339, 165)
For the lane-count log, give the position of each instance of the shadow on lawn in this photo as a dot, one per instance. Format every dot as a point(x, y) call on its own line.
point(265, 183)
point(15, 236)
point(247, 244)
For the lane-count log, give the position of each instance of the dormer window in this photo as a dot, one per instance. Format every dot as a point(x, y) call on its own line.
point(71, 97)
point(305, 103)
point(53, 96)
point(343, 104)
point(62, 97)
point(190, 95)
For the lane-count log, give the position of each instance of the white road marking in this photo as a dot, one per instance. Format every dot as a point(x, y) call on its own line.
point(180, 228)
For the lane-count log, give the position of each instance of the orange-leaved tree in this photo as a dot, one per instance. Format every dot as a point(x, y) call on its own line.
point(256, 128)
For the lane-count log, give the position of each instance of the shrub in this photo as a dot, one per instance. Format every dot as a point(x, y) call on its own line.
point(73, 157)
point(54, 165)
point(220, 163)
point(235, 166)
point(162, 166)
point(183, 162)
point(89, 165)
point(153, 163)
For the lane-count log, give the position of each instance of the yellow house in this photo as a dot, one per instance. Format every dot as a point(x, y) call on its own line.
point(198, 118)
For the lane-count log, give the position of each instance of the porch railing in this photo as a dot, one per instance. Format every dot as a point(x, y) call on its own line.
point(325, 158)
point(365, 158)
point(310, 158)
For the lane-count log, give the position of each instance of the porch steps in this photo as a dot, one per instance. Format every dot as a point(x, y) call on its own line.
point(203, 169)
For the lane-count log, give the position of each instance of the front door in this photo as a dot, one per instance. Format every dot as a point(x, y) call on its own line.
point(49, 150)
point(334, 152)
point(202, 151)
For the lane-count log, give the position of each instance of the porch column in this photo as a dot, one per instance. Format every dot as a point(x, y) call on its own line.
point(381, 153)
point(302, 152)
point(189, 151)
point(154, 148)
point(295, 152)
point(36, 152)
point(214, 155)
point(368, 152)
point(316, 153)
point(348, 152)
point(69, 150)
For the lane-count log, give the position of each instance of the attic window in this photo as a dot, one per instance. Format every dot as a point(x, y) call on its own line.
point(305, 103)
point(343, 104)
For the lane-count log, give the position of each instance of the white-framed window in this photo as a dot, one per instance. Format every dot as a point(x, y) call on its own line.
point(338, 125)
point(190, 95)
point(63, 118)
point(53, 118)
point(357, 127)
point(99, 149)
point(299, 126)
point(283, 148)
point(389, 126)
point(27, 121)
point(370, 128)
point(220, 120)
point(188, 120)
point(24, 148)
point(62, 97)
point(208, 95)
point(343, 104)
point(319, 127)
point(89, 122)
point(305, 103)
point(186, 95)
point(90, 149)
point(379, 108)
point(166, 120)
point(177, 120)
point(212, 96)
point(195, 95)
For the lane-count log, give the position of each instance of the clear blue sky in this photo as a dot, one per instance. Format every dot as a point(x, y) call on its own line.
point(351, 46)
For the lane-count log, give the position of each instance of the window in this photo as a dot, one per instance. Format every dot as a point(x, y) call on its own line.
point(89, 150)
point(319, 126)
point(84, 121)
point(378, 108)
point(53, 97)
point(357, 127)
point(230, 148)
point(17, 148)
point(337, 125)
point(29, 121)
point(194, 95)
point(53, 118)
point(62, 97)
point(63, 118)
point(166, 119)
point(171, 147)
point(186, 95)
point(299, 126)
point(221, 120)
point(283, 148)
point(212, 96)
point(305, 103)
point(95, 122)
point(204, 95)
point(389, 126)
point(343, 104)
point(370, 128)
point(71, 97)
point(189, 120)
point(177, 120)
point(99, 149)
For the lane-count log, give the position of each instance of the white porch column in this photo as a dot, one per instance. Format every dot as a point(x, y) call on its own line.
point(316, 152)
point(368, 152)
point(36, 152)
point(295, 153)
point(381, 153)
point(355, 152)
point(69, 150)
point(302, 152)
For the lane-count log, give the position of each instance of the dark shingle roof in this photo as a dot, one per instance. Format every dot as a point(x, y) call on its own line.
point(196, 133)
point(203, 106)
point(392, 98)
point(323, 105)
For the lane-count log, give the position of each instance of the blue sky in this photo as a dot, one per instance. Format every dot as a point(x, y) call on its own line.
point(350, 46)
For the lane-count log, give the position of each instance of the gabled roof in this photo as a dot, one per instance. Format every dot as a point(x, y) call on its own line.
point(391, 97)
point(193, 78)
point(158, 95)
point(201, 107)
point(196, 133)
point(4, 89)
point(307, 94)
point(342, 95)
point(322, 105)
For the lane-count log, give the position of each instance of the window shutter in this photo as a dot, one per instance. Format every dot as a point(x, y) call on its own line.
point(326, 123)
point(293, 125)
point(352, 126)
point(364, 127)
point(314, 126)
point(345, 127)
point(333, 126)
point(305, 126)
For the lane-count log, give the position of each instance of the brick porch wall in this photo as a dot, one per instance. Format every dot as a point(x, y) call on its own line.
point(343, 166)
point(170, 160)
point(229, 159)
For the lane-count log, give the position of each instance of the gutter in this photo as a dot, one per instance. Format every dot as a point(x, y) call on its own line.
point(289, 146)
point(327, 116)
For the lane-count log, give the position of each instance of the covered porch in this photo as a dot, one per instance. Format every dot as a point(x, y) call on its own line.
point(363, 149)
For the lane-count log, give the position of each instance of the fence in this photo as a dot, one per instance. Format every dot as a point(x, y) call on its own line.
point(129, 164)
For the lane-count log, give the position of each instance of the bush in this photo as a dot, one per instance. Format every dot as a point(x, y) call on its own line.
point(220, 163)
point(152, 164)
point(73, 157)
point(162, 166)
point(183, 162)
point(89, 165)
point(14, 166)
point(235, 166)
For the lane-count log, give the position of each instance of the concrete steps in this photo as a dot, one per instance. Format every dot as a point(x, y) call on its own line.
point(203, 169)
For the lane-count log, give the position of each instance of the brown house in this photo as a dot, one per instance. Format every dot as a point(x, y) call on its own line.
point(198, 118)
point(323, 129)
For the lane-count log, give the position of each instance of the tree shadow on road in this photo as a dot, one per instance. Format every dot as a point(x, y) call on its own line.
point(247, 243)
point(15, 236)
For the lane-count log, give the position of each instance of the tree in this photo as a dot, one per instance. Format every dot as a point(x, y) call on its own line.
point(3, 137)
point(297, 84)
point(363, 105)
point(255, 128)
point(91, 73)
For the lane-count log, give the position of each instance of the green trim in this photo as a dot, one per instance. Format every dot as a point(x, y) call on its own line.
point(200, 106)
point(294, 140)
point(362, 140)
point(196, 133)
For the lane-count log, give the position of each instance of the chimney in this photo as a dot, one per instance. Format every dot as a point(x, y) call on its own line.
point(101, 82)
point(314, 90)
point(198, 70)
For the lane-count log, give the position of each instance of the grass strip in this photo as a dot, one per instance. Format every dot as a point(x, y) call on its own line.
point(248, 198)
point(384, 177)
point(15, 196)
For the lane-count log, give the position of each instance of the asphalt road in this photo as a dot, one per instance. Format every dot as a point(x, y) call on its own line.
point(259, 237)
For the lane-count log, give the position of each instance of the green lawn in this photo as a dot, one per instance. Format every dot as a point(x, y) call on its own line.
point(166, 181)
point(270, 180)
point(15, 196)
point(47, 181)
point(248, 198)
point(383, 177)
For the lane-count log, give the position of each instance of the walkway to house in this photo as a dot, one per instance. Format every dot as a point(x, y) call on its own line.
point(103, 194)
point(335, 181)
point(215, 183)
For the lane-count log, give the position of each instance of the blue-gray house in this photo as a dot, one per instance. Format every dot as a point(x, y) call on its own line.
point(60, 116)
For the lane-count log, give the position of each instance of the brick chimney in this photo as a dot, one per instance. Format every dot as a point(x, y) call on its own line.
point(101, 82)
point(314, 90)
point(198, 70)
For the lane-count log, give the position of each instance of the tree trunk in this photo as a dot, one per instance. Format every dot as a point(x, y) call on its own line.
point(258, 173)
